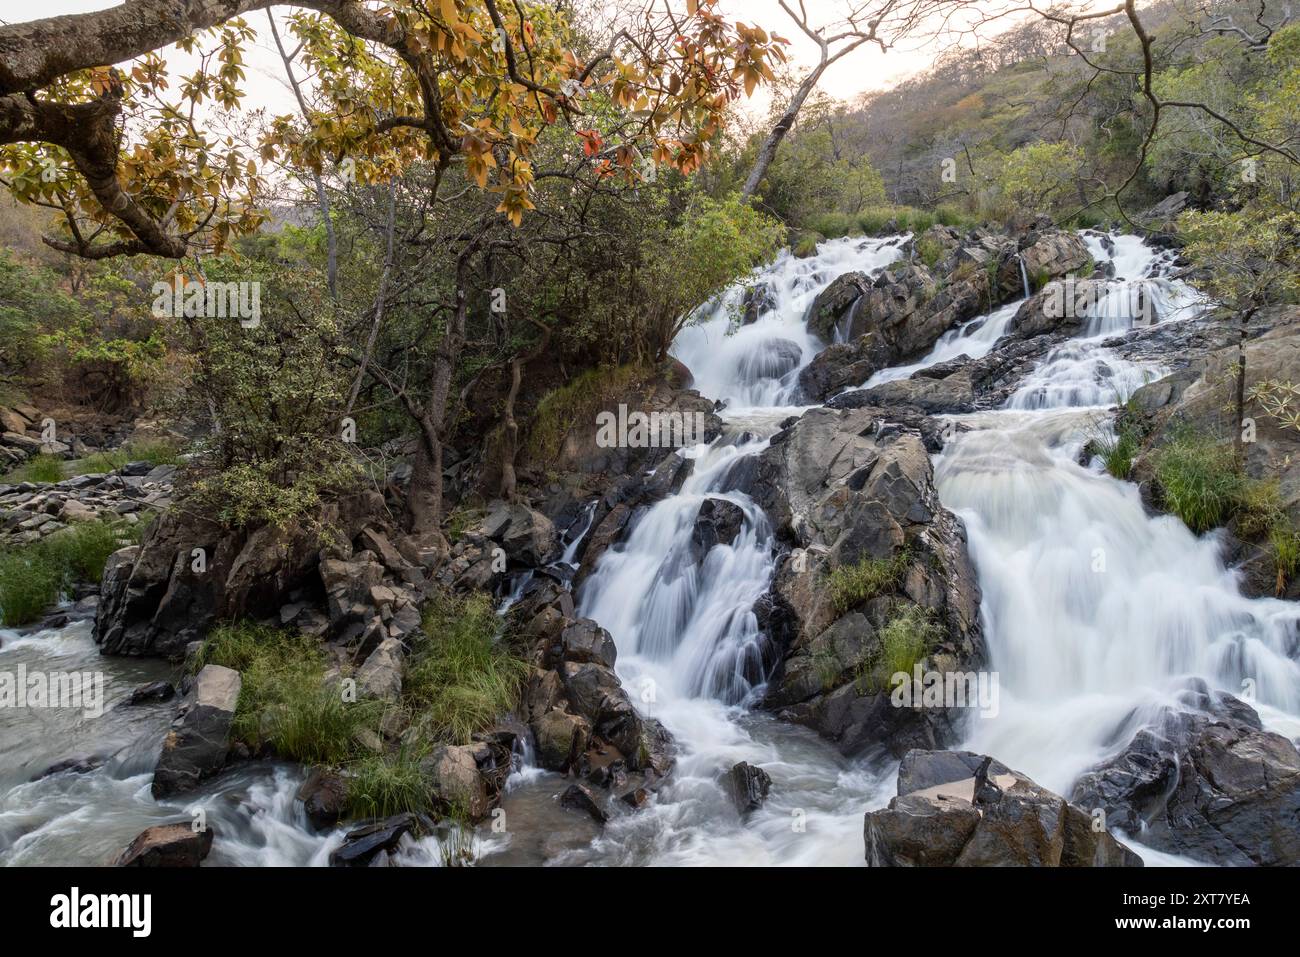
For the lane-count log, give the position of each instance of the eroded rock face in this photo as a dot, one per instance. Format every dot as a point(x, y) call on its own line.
point(844, 487)
point(834, 302)
point(1208, 783)
point(958, 809)
point(189, 573)
point(196, 746)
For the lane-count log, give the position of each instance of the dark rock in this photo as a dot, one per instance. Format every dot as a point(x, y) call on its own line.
point(168, 845)
point(585, 641)
point(324, 797)
point(748, 787)
point(1206, 782)
point(195, 748)
point(364, 844)
point(578, 798)
point(718, 523)
point(151, 693)
point(81, 765)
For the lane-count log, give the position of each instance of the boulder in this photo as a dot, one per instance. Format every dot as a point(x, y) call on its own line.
point(560, 738)
point(586, 641)
point(364, 844)
point(958, 809)
point(833, 304)
point(528, 536)
point(380, 676)
point(452, 776)
point(578, 798)
point(1046, 254)
point(748, 787)
point(718, 523)
point(1207, 782)
point(196, 746)
point(153, 692)
point(849, 486)
point(324, 798)
point(168, 845)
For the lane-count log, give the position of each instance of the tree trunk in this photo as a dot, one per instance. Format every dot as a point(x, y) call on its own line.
point(1239, 439)
point(767, 152)
point(509, 425)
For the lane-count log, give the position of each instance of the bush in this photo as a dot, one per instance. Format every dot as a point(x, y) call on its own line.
point(575, 403)
point(461, 675)
point(32, 577)
point(1198, 480)
point(154, 451)
point(284, 701)
point(850, 585)
point(39, 468)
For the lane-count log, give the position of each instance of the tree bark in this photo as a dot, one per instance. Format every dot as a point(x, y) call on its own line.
point(767, 152)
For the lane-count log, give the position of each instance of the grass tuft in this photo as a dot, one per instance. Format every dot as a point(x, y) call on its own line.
point(850, 585)
point(33, 576)
point(42, 468)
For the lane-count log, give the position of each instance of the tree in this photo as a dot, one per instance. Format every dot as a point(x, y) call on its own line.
point(132, 169)
point(1251, 259)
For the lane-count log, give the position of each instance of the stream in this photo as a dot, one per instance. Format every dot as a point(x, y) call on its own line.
point(1095, 615)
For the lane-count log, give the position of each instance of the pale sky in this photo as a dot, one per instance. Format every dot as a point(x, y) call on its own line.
point(865, 69)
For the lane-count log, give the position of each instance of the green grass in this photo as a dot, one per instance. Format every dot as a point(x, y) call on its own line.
point(154, 451)
point(1198, 480)
point(283, 701)
point(1117, 450)
point(907, 639)
point(929, 251)
point(461, 676)
point(33, 576)
point(850, 585)
point(1285, 542)
point(382, 785)
point(39, 468)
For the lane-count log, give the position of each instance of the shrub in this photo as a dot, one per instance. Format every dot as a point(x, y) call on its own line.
point(1286, 553)
point(1198, 480)
point(154, 451)
point(461, 675)
point(383, 785)
point(33, 576)
point(39, 468)
point(575, 402)
point(907, 639)
point(850, 585)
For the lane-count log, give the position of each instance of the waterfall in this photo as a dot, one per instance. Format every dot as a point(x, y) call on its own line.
point(1024, 276)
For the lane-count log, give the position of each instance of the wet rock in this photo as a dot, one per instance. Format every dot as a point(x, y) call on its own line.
point(363, 845)
point(958, 809)
point(748, 787)
point(585, 641)
point(770, 359)
point(636, 798)
point(324, 797)
point(834, 302)
point(168, 845)
point(78, 765)
point(196, 746)
point(1206, 781)
point(578, 798)
point(719, 522)
point(560, 737)
point(151, 693)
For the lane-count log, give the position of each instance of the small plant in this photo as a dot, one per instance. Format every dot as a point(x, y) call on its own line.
point(33, 576)
point(154, 451)
point(929, 251)
point(850, 585)
point(382, 785)
point(1285, 542)
point(1198, 480)
point(1117, 449)
point(41, 468)
point(461, 675)
point(906, 639)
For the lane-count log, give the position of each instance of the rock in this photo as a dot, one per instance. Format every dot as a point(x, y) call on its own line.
point(1207, 782)
point(324, 796)
point(168, 845)
point(757, 301)
point(12, 421)
point(718, 523)
point(363, 845)
point(937, 820)
point(151, 693)
point(79, 765)
point(636, 798)
point(578, 798)
point(453, 778)
point(75, 511)
point(195, 748)
point(770, 359)
point(381, 674)
point(850, 486)
point(1060, 306)
point(1163, 213)
point(834, 302)
point(560, 737)
point(586, 641)
point(527, 536)
point(1046, 254)
point(748, 787)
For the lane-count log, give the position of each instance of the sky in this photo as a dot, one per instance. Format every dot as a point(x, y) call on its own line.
point(864, 70)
